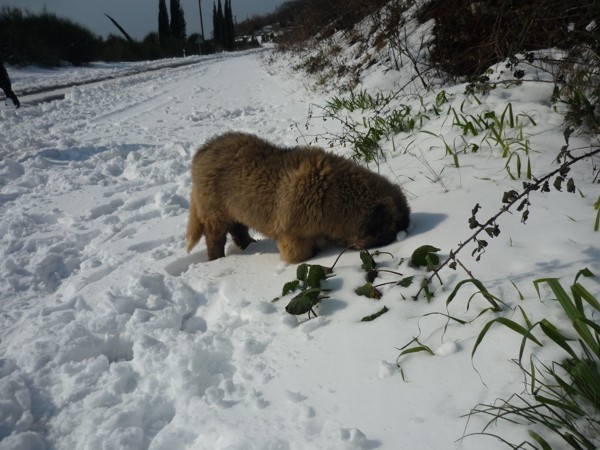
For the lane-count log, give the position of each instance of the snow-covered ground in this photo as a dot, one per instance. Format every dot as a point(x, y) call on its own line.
point(112, 337)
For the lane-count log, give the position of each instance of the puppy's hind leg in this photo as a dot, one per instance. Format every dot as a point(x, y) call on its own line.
point(216, 236)
point(195, 227)
point(295, 249)
point(239, 233)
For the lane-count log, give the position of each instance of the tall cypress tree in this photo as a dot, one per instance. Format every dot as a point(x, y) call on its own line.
point(228, 32)
point(216, 24)
point(177, 21)
point(221, 35)
point(164, 31)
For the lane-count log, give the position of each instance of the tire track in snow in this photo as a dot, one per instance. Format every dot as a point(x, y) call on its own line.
point(36, 95)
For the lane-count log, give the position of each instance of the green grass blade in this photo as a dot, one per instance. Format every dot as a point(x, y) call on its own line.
point(447, 316)
point(532, 374)
point(410, 350)
point(593, 325)
point(581, 292)
point(509, 324)
point(511, 117)
point(527, 321)
point(528, 116)
point(597, 223)
point(558, 404)
point(494, 301)
point(551, 331)
point(574, 308)
point(585, 272)
point(587, 337)
point(537, 438)
point(457, 121)
point(497, 136)
point(561, 295)
point(521, 297)
point(586, 376)
point(420, 348)
point(470, 127)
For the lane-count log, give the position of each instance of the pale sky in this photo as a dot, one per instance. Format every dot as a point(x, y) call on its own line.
point(139, 17)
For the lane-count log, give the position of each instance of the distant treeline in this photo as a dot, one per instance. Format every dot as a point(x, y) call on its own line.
point(47, 40)
point(468, 37)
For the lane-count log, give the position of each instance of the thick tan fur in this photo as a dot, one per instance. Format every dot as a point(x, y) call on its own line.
point(303, 197)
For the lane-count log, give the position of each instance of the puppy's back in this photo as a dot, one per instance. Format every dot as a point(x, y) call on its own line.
point(240, 174)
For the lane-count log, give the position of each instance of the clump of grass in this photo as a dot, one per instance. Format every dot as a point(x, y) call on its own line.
point(381, 117)
point(563, 397)
point(356, 100)
point(368, 119)
point(504, 131)
point(377, 122)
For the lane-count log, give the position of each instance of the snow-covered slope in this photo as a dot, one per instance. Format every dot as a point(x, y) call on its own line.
point(111, 336)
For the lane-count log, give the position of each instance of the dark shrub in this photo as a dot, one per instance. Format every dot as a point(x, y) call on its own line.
point(45, 39)
point(472, 35)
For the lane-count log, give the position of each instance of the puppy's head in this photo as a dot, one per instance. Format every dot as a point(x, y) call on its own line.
point(388, 216)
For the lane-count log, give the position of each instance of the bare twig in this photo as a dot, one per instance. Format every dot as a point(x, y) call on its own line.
point(529, 187)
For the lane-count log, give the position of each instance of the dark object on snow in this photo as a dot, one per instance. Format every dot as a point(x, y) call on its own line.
point(6, 86)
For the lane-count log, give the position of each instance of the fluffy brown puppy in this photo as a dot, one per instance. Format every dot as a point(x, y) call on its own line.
point(303, 197)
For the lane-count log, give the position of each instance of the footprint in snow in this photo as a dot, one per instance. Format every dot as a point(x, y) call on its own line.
point(354, 438)
point(181, 265)
point(311, 325)
point(105, 209)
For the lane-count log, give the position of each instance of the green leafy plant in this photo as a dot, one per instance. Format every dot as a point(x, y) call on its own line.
point(425, 256)
point(305, 301)
point(369, 291)
point(310, 277)
point(369, 266)
point(308, 280)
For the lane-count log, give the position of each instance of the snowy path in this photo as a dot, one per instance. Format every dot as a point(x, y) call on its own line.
point(34, 83)
point(91, 185)
point(112, 337)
